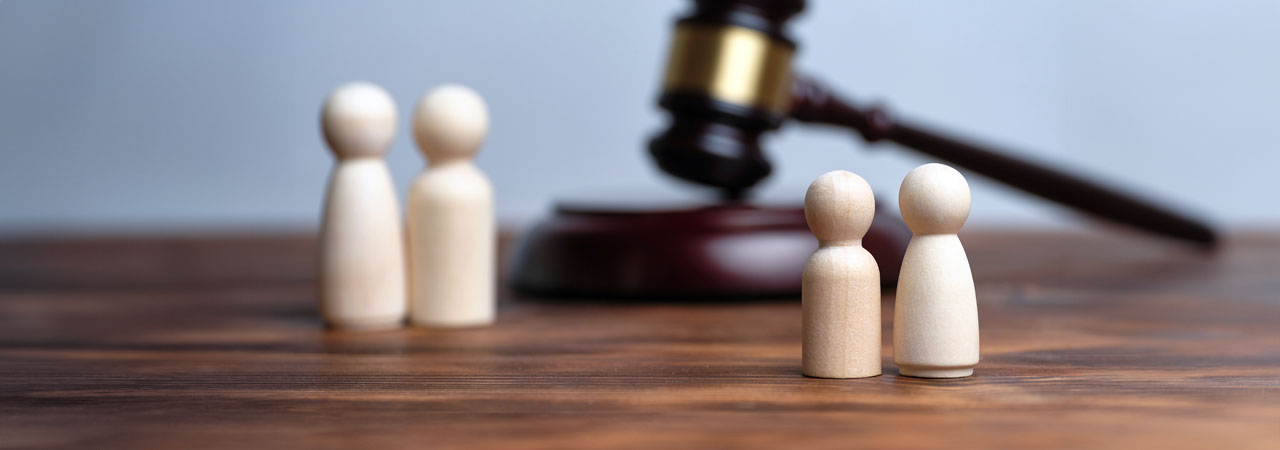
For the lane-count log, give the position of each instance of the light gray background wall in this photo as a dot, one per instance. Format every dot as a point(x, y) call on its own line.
point(158, 114)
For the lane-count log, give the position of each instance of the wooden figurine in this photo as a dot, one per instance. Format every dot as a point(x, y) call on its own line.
point(362, 279)
point(451, 214)
point(840, 287)
point(935, 325)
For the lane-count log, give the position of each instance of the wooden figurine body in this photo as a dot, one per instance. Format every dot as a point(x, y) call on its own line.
point(362, 278)
point(935, 330)
point(840, 287)
point(452, 235)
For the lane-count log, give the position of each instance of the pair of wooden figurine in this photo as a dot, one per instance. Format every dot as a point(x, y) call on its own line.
point(450, 226)
point(935, 330)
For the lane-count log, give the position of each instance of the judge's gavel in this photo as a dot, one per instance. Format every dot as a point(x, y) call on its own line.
point(729, 80)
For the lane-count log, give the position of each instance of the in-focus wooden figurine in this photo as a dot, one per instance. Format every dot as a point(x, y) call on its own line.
point(362, 280)
point(935, 324)
point(450, 214)
point(840, 287)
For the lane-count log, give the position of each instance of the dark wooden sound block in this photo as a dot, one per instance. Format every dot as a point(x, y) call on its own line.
point(681, 250)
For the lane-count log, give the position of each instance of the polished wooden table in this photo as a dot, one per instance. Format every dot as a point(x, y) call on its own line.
point(1088, 340)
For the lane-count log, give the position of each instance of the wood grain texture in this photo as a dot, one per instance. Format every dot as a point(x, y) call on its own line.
point(1087, 341)
point(840, 292)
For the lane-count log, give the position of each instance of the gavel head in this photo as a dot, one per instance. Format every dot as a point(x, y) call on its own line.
point(728, 81)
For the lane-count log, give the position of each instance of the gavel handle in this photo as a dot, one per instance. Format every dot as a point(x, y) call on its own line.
point(815, 104)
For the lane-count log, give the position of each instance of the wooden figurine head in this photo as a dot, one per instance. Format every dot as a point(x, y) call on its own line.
point(450, 123)
point(839, 207)
point(934, 199)
point(359, 119)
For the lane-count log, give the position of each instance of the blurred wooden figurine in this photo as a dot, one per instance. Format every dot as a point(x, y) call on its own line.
point(840, 287)
point(935, 329)
point(450, 214)
point(362, 279)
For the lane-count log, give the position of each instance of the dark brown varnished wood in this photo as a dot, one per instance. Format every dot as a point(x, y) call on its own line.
point(814, 103)
point(715, 142)
point(186, 342)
